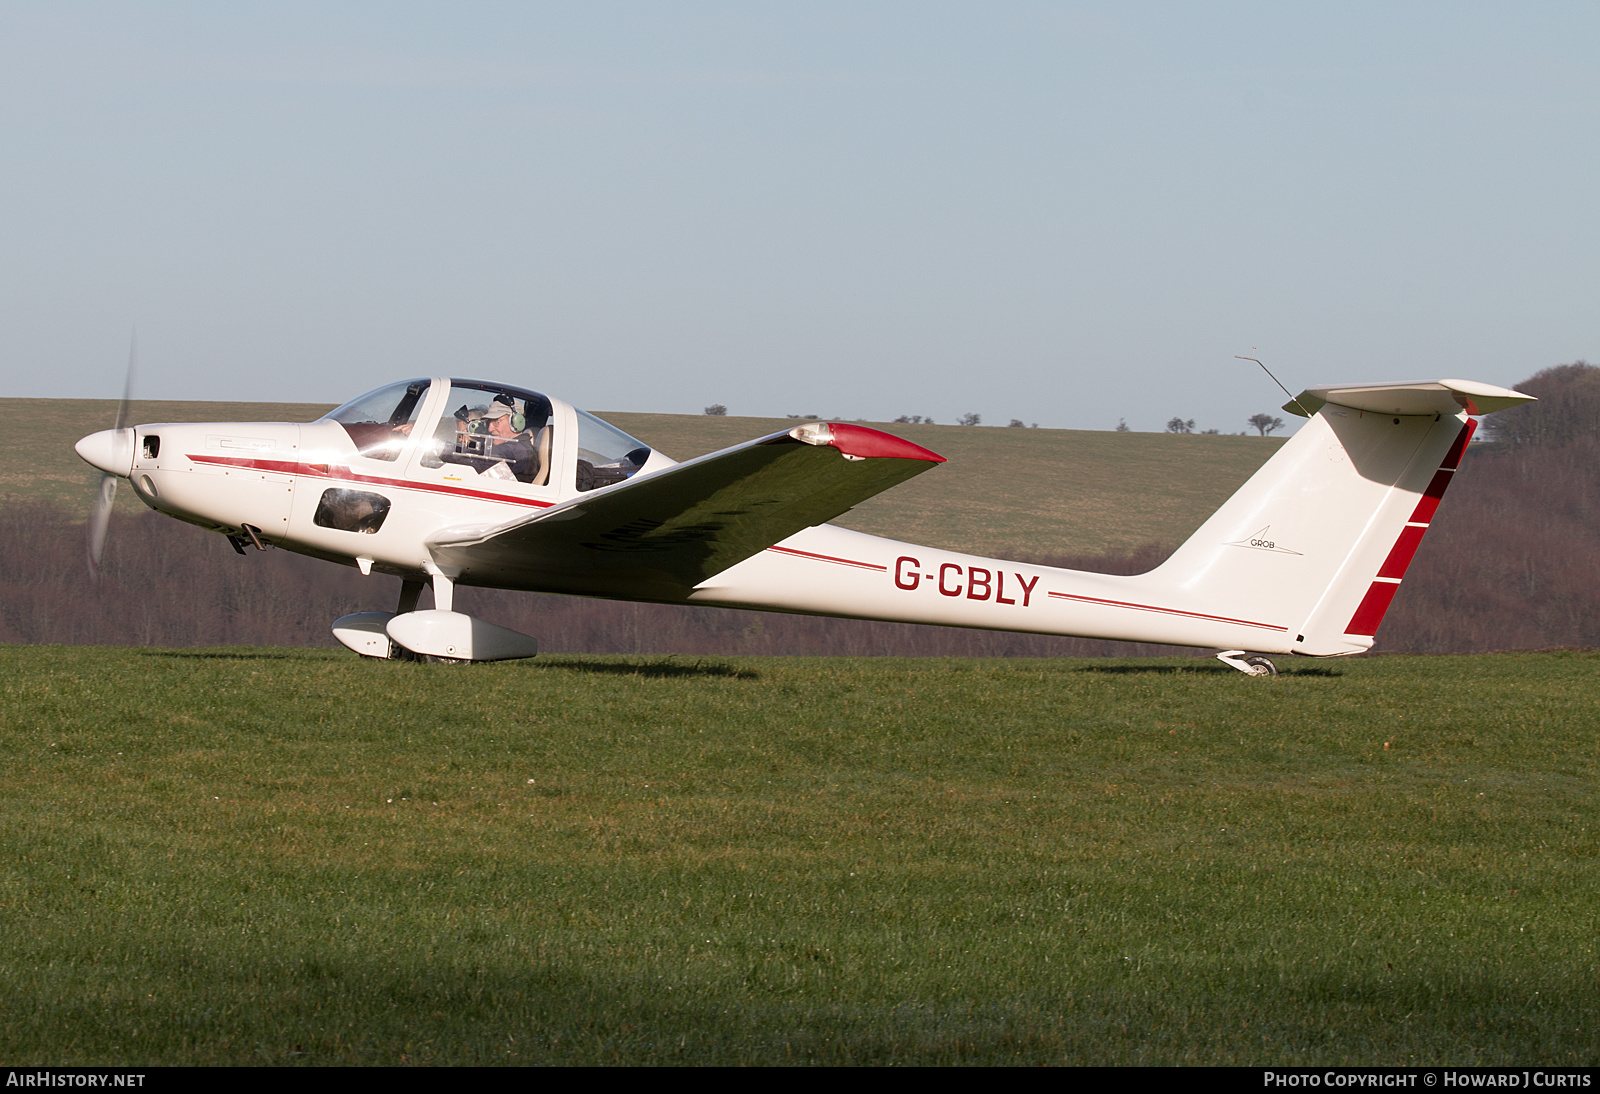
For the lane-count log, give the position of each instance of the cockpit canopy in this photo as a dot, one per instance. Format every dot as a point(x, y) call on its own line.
point(498, 432)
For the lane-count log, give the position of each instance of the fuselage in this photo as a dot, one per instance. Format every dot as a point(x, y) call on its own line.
point(310, 488)
point(1304, 558)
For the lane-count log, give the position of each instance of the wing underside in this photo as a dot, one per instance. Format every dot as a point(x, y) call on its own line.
point(658, 536)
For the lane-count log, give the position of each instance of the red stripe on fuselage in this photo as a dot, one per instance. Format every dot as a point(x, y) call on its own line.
point(337, 473)
point(1166, 611)
point(829, 558)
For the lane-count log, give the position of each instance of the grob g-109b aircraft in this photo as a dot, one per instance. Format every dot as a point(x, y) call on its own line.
point(463, 482)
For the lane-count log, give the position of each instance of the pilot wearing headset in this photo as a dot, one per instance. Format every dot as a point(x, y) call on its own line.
point(493, 441)
point(507, 442)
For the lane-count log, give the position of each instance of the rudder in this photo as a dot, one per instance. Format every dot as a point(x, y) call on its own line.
point(1321, 536)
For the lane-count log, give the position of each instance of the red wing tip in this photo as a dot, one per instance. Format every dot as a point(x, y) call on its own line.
point(860, 440)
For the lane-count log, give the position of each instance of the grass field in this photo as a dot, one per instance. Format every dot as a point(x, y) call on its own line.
point(297, 856)
point(1033, 492)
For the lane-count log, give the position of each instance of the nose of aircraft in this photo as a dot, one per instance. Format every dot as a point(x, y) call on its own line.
point(111, 450)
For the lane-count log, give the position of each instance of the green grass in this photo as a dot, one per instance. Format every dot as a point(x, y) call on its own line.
point(1033, 492)
point(295, 856)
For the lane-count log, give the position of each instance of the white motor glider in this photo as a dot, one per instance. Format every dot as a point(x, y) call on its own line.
point(462, 482)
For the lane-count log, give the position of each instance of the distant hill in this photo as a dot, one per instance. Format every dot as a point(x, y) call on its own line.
point(1004, 491)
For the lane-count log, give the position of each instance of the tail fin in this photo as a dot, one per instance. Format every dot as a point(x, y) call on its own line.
point(1321, 536)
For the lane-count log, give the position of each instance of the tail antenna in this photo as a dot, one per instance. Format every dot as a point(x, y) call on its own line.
point(1292, 398)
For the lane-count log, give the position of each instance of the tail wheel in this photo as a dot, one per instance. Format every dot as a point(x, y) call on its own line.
point(1251, 664)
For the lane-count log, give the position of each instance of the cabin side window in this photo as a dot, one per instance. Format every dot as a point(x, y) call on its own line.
point(351, 511)
point(381, 422)
point(606, 454)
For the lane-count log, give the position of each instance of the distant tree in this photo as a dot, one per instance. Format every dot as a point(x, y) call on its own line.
point(1265, 423)
point(1568, 409)
point(716, 410)
point(1178, 425)
point(1210, 432)
point(969, 419)
point(913, 419)
point(1016, 423)
point(1122, 425)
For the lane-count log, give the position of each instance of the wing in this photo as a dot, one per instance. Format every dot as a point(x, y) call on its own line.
point(658, 536)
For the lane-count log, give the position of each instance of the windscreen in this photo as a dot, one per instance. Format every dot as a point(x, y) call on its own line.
point(380, 422)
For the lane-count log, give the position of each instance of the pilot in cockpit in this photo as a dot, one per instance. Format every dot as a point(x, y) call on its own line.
point(494, 441)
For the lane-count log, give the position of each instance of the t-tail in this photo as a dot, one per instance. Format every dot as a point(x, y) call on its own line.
point(1321, 536)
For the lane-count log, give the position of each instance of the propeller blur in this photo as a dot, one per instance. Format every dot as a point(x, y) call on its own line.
point(110, 450)
point(464, 482)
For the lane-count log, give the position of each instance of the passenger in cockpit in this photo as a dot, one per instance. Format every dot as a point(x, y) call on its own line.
point(495, 439)
point(506, 441)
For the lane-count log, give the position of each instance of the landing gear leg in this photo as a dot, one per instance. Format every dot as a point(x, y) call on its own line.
point(443, 592)
point(1249, 664)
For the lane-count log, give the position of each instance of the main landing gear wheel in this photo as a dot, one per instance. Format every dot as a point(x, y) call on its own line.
point(1249, 664)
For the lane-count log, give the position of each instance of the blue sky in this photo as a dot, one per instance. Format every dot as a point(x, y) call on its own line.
point(1065, 213)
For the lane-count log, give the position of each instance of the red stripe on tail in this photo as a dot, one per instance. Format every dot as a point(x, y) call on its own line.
point(1373, 605)
point(1452, 459)
point(1431, 497)
point(1404, 548)
point(1381, 593)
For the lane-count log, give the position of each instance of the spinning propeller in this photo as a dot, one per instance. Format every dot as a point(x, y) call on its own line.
point(113, 448)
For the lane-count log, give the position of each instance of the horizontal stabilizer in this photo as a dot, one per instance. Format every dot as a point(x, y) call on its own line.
point(1411, 397)
point(657, 536)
